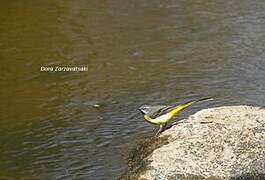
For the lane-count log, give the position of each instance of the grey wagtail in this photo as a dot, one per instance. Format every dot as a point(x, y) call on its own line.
point(162, 115)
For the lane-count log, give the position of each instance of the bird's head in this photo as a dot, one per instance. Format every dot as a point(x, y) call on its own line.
point(144, 109)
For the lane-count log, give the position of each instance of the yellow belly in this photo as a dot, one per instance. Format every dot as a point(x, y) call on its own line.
point(159, 120)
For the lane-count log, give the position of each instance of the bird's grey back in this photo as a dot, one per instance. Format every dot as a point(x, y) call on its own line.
point(158, 110)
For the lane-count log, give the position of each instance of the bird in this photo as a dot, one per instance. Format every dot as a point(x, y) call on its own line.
point(162, 115)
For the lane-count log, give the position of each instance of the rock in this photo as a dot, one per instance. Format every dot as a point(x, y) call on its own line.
point(217, 143)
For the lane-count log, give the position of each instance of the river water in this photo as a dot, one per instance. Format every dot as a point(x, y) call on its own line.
point(136, 52)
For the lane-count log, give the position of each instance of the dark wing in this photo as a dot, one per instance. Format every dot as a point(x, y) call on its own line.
point(159, 111)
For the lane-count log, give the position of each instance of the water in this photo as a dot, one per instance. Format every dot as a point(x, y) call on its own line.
point(137, 52)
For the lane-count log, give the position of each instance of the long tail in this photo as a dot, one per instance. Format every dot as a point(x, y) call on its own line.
point(180, 107)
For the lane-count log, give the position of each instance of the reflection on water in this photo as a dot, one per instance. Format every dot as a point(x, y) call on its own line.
point(137, 52)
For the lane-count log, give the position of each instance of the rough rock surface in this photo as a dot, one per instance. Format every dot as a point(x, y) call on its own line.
point(218, 143)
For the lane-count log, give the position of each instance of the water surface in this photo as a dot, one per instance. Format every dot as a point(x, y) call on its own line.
point(137, 52)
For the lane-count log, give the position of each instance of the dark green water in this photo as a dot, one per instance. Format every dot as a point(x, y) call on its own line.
point(137, 52)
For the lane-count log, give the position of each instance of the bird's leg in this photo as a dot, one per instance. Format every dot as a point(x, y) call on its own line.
point(164, 127)
point(160, 129)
